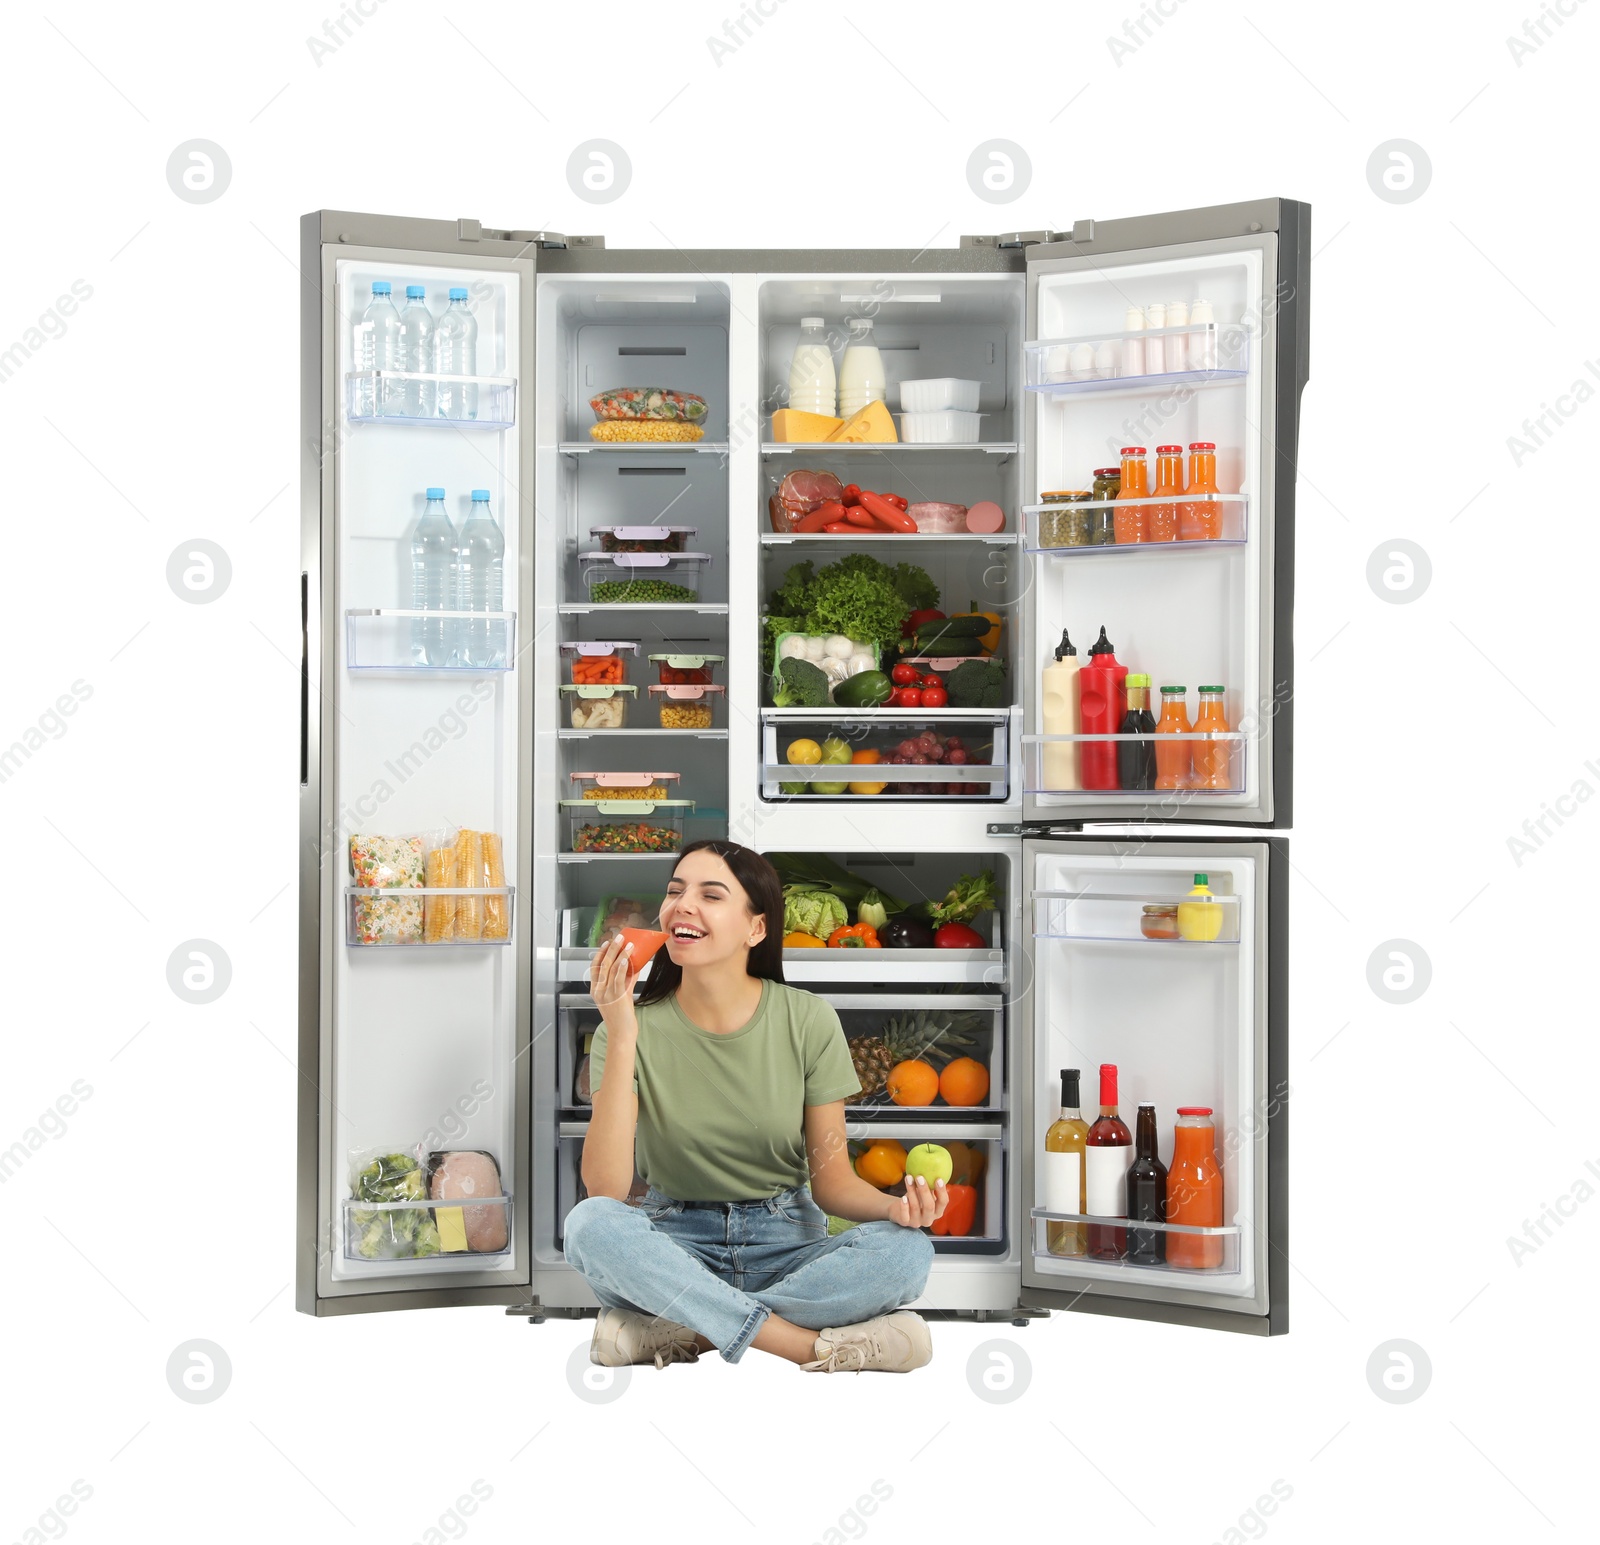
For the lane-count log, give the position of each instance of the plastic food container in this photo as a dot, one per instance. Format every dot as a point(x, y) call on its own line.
point(599, 664)
point(686, 670)
point(687, 708)
point(939, 428)
point(597, 708)
point(642, 539)
point(814, 647)
point(625, 825)
point(648, 402)
point(625, 785)
point(643, 579)
point(937, 393)
point(937, 519)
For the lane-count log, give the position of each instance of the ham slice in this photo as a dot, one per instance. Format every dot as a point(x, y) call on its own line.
point(801, 492)
point(462, 1175)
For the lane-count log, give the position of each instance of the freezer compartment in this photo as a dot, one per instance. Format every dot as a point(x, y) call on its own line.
point(426, 918)
point(634, 826)
point(978, 1158)
point(385, 639)
point(420, 1236)
point(983, 771)
point(1053, 531)
point(1053, 765)
point(385, 396)
point(1125, 361)
point(940, 1029)
point(643, 579)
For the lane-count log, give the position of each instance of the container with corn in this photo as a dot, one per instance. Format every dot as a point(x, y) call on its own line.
point(687, 708)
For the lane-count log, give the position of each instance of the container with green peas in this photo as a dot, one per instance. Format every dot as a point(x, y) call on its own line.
point(643, 579)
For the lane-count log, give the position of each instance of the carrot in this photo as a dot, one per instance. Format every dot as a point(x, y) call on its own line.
point(886, 513)
point(820, 516)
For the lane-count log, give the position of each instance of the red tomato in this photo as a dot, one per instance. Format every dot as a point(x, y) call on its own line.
point(905, 676)
point(934, 697)
point(931, 681)
point(908, 697)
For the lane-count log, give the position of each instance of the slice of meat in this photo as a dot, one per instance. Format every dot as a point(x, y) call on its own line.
point(461, 1175)
point(803, 491)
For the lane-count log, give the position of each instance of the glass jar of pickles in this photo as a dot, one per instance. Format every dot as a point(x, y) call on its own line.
point(1063, 523)
point(1107, 485)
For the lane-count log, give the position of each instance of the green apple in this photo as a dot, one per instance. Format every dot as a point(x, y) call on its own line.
point(930, 1161)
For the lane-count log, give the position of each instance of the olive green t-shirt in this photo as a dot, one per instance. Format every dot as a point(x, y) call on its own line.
point(721, 1117)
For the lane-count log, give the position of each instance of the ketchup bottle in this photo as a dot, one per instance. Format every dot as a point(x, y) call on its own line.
point(1103, 700)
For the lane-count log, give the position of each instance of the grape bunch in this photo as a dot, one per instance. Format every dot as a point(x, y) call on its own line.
point(928, 750)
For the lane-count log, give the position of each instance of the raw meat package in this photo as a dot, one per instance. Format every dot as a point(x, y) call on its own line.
point(388, 863)
point(653, 402)
point(801, 492)
point(623, 912)
point(459, 1176)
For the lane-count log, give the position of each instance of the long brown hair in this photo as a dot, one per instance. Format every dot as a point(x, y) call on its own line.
point(765, 890)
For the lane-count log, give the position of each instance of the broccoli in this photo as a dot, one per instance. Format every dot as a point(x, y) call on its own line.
point(977, 684)
point(800, 685)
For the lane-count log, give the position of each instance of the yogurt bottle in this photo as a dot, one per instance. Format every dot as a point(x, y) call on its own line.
point(812, 385)
point(861, 376)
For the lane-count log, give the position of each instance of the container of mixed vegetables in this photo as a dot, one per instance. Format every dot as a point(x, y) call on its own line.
point(826, 906)
point(627, 825)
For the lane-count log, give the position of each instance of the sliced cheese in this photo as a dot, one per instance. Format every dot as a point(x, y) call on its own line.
point(871, 426)
point(792, 427)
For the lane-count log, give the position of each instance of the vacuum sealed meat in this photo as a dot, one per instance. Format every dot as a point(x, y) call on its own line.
point(460, 1176)
point(649, 402)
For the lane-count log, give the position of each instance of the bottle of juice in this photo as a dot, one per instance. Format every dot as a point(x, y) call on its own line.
point(1162, 524)
point(1174, 759)
point(1194, 1190)
point(1212, 758)
point(1200, 913)
point(1200, 517)
point(1102, 705)
point(1128, 523)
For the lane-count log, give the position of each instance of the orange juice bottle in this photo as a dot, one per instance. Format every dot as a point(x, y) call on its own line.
point(1212, 758)
point(1174, 758)
point(1162, 525)
point(1129, 524)
point(1200, 518)
point(1194, 1190)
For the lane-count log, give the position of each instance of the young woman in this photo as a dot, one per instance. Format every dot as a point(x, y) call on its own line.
point(730, 1086)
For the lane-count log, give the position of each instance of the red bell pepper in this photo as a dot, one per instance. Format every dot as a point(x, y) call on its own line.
point(960, 1211)
point(957, 936)
point(909, 627)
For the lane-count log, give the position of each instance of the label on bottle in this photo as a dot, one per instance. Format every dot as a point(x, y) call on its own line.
point(1062, 1174)
point(1106, 1180)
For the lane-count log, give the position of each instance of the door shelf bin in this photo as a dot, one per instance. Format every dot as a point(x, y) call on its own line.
point(1048, 760)
point(984, 736)
point(978, 1017)
point(988, 1150)
point(388, 639)
point(1107, 917)
point(368, 389)
point(1234, 527)
point(856, 970)
point(398, 918)
point(1098, 362)
point(1040, 1218)
point(388, 1229)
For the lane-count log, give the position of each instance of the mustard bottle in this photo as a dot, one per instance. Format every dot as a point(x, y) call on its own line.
point(1199, 913)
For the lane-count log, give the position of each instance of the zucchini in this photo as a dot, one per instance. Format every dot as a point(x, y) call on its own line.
point(866, 689)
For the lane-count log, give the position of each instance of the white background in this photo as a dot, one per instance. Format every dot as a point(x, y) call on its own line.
point(1424, 1134)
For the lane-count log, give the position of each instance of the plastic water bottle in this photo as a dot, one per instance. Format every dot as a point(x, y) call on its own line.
point(378, 348)
point(480, 551)
point(416, 352)
point(457, 343)
point(433, 582)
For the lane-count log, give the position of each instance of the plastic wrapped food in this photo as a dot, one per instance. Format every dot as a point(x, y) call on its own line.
point(439, 912)
point(623, 912)
point(648, 402)
point(459, 1176)
point(799, 494)
point(938, 519)
point(619, 429)
point(388, 863)
point(390, 1233)
point(496, 921)
point(469, 871)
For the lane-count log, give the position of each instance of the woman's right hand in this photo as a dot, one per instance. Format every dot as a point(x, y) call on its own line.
point(611, 981)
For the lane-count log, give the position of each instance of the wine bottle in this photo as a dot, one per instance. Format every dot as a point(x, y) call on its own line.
point(1108, 1151)
point(1147, 1194)
point(1063, 1167)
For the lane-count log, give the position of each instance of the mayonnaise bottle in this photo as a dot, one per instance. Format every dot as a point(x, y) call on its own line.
point(1060, 715)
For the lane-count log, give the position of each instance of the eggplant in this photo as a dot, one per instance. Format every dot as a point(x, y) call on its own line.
point(904, 932)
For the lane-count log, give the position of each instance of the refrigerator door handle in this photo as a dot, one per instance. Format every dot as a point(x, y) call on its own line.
point(305, 679)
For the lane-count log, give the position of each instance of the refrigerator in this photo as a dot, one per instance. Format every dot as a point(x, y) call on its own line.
point(423, 1037)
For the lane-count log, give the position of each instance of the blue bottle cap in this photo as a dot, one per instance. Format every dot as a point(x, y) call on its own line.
point(458, 292)
point(415, 292)
point(436, 493)
point(480, 495)
point(380, 286)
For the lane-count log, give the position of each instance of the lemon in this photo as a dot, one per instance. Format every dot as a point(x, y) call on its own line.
point(803, 753)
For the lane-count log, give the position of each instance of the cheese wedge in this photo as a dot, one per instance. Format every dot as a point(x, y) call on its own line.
point(871, 426)
point(792, 427)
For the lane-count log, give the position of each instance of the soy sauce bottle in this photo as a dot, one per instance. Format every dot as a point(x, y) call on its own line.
point(1147, 1195)
point(1136, 759)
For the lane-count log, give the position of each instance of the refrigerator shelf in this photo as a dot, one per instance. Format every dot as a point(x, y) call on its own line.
point(608, 858)
point(1227, 1230)
point(900, 538)
point(643, 447)
point(380, 639)
point(497, 399)
point(985, 966)
point(1051, 373)
point(354, 1228)
point(886, 448)
point(1090, 1266)
point(1110, 917)
point(839, 715)
point(1234, 533)
point(640, 729)
point(1170, 802)
point(390, 905)
point(880, 772)
point(584, 608)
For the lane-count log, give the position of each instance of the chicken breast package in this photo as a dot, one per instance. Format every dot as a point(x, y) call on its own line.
point(461, 1175)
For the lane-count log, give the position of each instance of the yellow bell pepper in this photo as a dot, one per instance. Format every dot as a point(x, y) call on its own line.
point(803, 941)
point(991, 639)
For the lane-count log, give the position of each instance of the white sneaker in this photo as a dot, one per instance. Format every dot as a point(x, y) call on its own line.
point(892, 1343)
point(622, 1337)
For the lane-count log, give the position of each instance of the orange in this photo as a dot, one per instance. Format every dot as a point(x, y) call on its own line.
point(883, 1164)
point(912, 1083)
point(964, 1082)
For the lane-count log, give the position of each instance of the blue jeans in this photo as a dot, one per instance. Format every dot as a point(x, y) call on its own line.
point(722, 1267)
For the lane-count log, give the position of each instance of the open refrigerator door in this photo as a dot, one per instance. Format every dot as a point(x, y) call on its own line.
point(414, 954)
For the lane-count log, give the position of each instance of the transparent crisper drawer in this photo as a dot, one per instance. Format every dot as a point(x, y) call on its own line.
point(1190, 355)
point(422, 1235)
point(428, 918)
point(1053, 764)
point(597, 708)
point(686, 708)
point(1060, 1240)
point(943, 1030)
point(381, 396)
point(602, 663)
point(984, 773)
point(642, 579)
point(579, 925)
point(625, 825)
point(860, 970)
point(1117, 915)
point(977, 1151)
point(592, 786)
point(388, 639)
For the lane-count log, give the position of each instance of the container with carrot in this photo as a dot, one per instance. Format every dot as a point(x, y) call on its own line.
point(599, 663)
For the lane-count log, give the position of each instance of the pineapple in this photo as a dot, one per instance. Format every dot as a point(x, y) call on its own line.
point(930, 1036)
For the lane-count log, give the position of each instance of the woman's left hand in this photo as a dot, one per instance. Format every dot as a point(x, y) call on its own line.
point(920, 1205)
